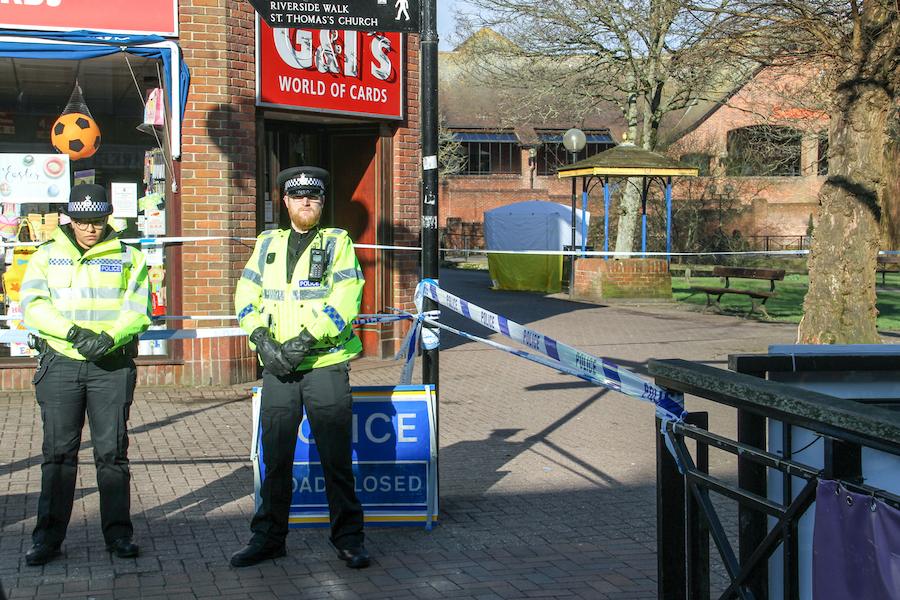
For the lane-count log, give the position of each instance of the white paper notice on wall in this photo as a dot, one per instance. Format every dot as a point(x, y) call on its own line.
point(154, 254)
point(155, 223)
point(124, 200)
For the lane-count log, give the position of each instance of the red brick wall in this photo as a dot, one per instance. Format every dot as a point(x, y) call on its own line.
point(407, 211)
point(466, 197)
point(782, 205)
point(632, 278)
point(218, 178)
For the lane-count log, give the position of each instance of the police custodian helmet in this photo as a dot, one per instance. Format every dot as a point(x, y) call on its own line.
point(88, 201)
point(297, 181)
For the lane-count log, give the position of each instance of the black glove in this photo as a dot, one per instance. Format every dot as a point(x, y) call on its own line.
point(96, 347)
point(270, 352)
point(78, 335)
point(295, 349)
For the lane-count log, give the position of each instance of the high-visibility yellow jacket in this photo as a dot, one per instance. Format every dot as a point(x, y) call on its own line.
point(105, 289)
point(265, 298)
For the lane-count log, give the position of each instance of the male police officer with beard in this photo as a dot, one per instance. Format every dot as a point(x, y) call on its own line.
point(297, 298)
point(87, 295)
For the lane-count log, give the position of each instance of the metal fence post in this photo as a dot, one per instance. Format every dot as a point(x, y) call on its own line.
point(671, 524)
point(681, 535)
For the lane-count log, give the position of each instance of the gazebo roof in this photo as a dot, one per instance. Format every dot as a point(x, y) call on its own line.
point(627, 160)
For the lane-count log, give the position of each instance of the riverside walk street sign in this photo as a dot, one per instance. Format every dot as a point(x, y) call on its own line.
point(359, 15)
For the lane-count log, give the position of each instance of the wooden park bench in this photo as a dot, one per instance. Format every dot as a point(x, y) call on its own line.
point(882, 267)
point(714, 294)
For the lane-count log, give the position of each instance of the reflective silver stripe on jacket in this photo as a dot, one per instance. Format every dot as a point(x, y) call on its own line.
point(134, 307)
point(346, 274)
point(86, 293)
point(310, 293)
point(91, 315)
point(252, 276)
point(263, 251)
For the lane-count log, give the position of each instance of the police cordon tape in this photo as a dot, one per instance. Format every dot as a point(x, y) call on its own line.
point(20, 336)
point(576, 252)
point(553, 353)
point(556, 355)
point(159, 241)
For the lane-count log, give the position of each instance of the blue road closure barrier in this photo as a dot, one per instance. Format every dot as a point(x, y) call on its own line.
point(394, 460)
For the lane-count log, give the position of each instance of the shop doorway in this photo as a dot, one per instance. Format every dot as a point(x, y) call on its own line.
point(355, 207)
point(351, 155)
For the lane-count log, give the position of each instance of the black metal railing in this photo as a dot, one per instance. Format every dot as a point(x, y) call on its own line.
point(687, 517)
point(774, 243)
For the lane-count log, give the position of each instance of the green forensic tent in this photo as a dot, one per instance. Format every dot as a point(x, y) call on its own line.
point(526, 228)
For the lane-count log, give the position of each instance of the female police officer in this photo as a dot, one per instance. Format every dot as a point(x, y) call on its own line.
point(87, 295)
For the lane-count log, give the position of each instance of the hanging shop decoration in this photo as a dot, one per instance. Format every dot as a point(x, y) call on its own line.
point(75, 132)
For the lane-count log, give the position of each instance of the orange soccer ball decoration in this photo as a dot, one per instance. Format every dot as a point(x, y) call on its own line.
point(75, 134)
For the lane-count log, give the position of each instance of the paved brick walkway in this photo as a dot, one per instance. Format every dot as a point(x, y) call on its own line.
point(547, 483)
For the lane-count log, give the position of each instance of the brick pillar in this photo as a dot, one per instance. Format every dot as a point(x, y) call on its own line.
point(218, 181)
point(646, 279)
point(406, 205)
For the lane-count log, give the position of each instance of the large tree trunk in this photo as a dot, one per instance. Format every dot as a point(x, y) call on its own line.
point(890, 215)
point(840, 305)
point(629, 216)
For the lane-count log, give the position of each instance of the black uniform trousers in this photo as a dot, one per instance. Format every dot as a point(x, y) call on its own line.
point(66, 390)
point(325, 392)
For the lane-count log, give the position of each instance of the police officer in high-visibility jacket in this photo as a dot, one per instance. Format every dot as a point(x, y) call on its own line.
point(297, 298)
point(87, 295)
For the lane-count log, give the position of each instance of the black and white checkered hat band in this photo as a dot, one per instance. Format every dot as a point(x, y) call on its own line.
point(304, 182)
point(88, 206)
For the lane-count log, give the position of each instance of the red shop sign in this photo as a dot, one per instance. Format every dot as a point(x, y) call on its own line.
point(159, 17)
point(330, 70)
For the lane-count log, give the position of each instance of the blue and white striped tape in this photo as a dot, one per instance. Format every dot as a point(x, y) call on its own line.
point(20, 336)
point(576, 252)
point(552, 353)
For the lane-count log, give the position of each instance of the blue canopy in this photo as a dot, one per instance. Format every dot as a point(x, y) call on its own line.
point(83, 44)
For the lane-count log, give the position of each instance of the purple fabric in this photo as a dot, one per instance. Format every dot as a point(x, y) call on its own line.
point(856, 550)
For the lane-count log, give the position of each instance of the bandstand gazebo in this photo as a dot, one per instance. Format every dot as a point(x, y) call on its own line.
point(622, 162)
point(621, 280)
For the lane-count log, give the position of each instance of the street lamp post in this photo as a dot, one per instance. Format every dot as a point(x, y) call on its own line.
point(574, 140)
point(532, 163)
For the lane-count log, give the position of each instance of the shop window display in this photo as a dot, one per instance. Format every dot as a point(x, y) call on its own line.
point(116, 139)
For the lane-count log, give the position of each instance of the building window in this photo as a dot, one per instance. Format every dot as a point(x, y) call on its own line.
point(489, 153)
point(552, 154)
point(699, 160)
point(763, 150)
point(822, 162)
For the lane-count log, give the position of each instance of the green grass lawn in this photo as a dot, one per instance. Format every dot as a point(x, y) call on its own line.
point(788, 305)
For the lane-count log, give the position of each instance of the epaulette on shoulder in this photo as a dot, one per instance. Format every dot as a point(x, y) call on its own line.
point(337, 231)
point(269, 232)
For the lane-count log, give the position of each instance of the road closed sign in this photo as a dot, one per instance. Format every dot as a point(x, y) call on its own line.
point(394, 460)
